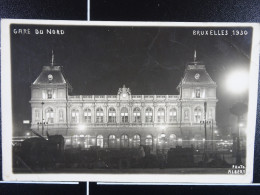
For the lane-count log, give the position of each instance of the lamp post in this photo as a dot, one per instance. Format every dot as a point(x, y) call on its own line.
point(42, 118)
point(237, 83)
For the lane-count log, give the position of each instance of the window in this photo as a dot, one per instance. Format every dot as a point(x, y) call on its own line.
point(49, 115)
point(112, 141)
point(197, 114)
point(60, 115)
point(136, 141)
point(149, 140)
point(100, 115)
point(89, 141)
point(137, 115)
point(100, 141)
point(186, 115)
point(172, 141)
point(112, 115)
point(37, 115)
point(49, 94)
point(173, 115)
point(160, 115)
point(149, 115)
point(124, 141)
point(124, 115)
point(197, 93)
point(75, 116)
point(87, 115)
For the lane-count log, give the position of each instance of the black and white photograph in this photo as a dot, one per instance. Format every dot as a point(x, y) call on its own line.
point(128, 101)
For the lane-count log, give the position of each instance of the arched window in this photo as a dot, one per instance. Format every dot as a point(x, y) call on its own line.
point(61, 115)
point(149, 115)
point(37, 115)
point(49, 115)
point(136, 141)
point(75, 116)
point(112, 115)
point(197, 114)
point(149, 140)
point(173, 115)
point(124, 141)
point(186, 115)
point(87, 115)
point(100, 141)
point(124, 115)
point(100, 115)
point(137, 115)
point(112, 141)
point(172, 141)
point(161, 115)
point(89, 141)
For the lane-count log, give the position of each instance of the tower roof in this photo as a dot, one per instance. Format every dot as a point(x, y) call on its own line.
point(196, 74)
point(50, 75)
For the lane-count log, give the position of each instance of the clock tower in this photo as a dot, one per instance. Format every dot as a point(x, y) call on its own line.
point(196, 88)
point(49, 95)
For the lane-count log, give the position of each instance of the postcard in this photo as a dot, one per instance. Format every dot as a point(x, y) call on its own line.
point(128, 101)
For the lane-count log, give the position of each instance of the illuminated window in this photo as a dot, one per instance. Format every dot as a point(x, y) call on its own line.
point(149, 115)
point(112, 141)
point(124, 115)
point(149, 140)
point(197, 93)
point(87, 115)
point(89, 141)
point(49, 115)
point(124, 141)
point(111, 115)
point(99, 115)
point(173, 115)
point(136, 141)
point(100, 141)
point(49, 94)
point(75, 116)
point(172, 141)
point(197, 114)
point(160, 115)
point(137, 115)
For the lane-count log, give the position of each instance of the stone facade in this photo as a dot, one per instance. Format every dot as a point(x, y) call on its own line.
point(124, 119)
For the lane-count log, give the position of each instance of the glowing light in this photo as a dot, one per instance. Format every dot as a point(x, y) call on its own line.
point(81, 127)
point(27, 134)
point(179, 139)
point(81, 136)
point(203, 139)
point(237, 82)
point(216, 131)
point(162, 127)
point(241, 125)
point(193, 139)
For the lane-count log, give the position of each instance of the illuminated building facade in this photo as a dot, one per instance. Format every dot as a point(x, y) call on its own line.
point(125, 120)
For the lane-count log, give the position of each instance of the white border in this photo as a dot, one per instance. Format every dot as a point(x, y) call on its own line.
point(150, 178)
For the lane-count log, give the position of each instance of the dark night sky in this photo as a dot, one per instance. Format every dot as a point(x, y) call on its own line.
point(99, 60)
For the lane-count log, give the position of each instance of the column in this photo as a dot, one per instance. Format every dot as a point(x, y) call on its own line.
point(105, 113)
point(118, 113)
point(143, 113)
point(130, 113)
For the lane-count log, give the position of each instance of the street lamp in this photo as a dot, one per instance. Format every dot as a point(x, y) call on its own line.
point(237, 83)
